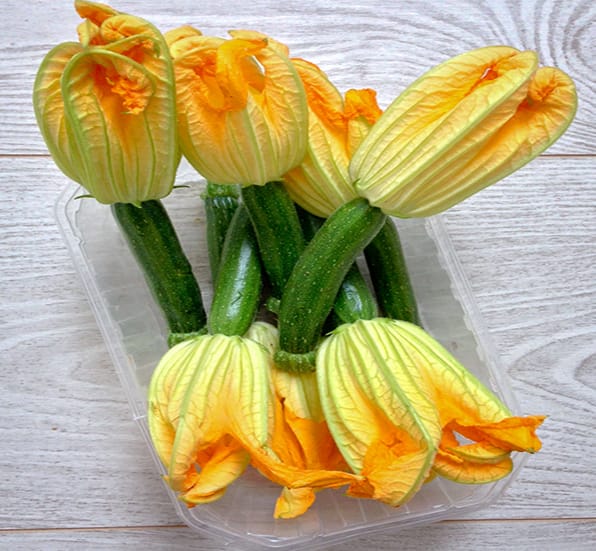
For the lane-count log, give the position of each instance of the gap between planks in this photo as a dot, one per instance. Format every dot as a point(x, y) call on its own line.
point(579, 520)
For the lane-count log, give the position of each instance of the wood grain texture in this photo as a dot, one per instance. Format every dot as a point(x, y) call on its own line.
point(528, 247)
point(65, 418)
point(75, 470)
point(444, 536)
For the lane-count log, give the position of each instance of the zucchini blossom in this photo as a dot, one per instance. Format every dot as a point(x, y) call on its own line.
point(242, 107)
point(106, 107)
point(462, 126)
point(399, 406)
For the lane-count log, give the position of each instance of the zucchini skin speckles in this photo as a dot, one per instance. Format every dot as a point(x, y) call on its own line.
point(238, 286)
point(313, 285)
point(153, 241)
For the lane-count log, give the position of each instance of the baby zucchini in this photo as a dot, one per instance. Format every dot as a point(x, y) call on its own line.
point(389, 275)
point(153, 241)
point(354, 300)
point(237, 291)
point(221, 202)
point(313, 285)
point(277, 229)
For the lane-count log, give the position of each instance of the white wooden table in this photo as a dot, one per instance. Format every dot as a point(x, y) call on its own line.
point(74, 472)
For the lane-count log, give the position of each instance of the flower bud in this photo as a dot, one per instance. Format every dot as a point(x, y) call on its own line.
point(398, 403)
point(300, 454)
point(242, 107)
point(321, 183)
point(462, 126)
point(209, 399)
point(379, 410)
point(106, 107)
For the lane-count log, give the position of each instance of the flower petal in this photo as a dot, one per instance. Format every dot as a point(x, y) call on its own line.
point(162, 383)
point(392, 474)
point(174, 36)
point(299, 393)
point(480, 452)
point(49, 109)
point(293, 502)
point(225, 463)
point(96, 12)
point(291, 476)
point(265, 334)
point(235, 72)
point(512, 433)
point(458, 394)
point(361, 111)
point(321, 182)
point(468, 472)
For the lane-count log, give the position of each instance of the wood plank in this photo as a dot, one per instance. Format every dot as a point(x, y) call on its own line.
point(447, 536)
point(71, 455)
point(371, 44)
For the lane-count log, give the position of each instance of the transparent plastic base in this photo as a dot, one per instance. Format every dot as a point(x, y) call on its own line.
point(135, 334)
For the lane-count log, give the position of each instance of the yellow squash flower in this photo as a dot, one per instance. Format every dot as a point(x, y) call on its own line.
point(106, 107)
point(300, 453)
point(242, 107)
point(460, 127)
point(209, 399)
point(467, 410)
point(394, 400)
point(336, 126)
point(379, 411)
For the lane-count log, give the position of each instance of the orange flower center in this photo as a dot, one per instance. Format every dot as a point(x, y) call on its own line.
point(362, 103)
point(489, 74)
point(126, 90)
point(228, 74)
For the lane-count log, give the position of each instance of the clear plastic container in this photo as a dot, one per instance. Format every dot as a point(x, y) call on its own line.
point(135, 334)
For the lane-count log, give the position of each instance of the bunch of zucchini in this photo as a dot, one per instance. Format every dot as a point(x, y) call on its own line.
point(309, 265)
point(264, 250)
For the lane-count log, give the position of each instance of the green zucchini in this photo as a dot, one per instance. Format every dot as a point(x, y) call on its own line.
point(221, 202)
point(237, 291)
point(354, 299)
point(277, 229)
point(389, 275)
point(152, 239)
point(313, 285)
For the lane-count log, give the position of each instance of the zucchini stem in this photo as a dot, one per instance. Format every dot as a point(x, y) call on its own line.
point(154, 243)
